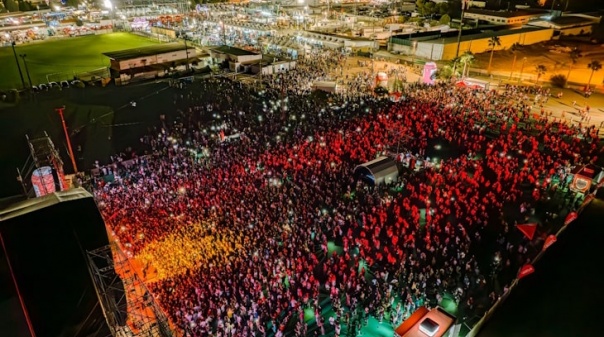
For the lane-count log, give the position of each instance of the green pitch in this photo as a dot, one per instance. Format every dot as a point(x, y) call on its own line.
point(64, 57)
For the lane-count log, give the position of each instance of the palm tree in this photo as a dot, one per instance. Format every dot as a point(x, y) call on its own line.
point(466, 58)
point(514, 49)
point(494, 41)
point(540, 69)
point(574, 57)
point(594, 65)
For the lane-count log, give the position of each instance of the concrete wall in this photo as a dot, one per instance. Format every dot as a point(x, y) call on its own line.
point(248, 58)
point(430, 51)
point(153, 59)
point(219, 57)
point(577, 30)
point(482, 45)
point(499, 20)
point(438, 50)
point(164, 31)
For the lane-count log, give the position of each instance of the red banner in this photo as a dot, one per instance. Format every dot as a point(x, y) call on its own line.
point(528, 230)
point(587, 200)
point(525, 271)
point(550, 240)
point(572, 216)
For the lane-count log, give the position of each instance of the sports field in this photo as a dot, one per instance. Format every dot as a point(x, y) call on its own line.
point(64, 57)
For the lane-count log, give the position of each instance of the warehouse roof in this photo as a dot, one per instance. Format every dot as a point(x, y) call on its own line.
point(234, 51)
point(507, 14)
point(128, 54)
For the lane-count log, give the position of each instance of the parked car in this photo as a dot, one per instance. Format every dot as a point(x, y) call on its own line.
point(35, 88)
point(53, 85)
point(43, 87)
point(65, 84)
point(77, 84)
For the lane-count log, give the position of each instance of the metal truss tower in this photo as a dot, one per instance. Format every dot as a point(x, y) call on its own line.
point(43, 153)
point(128, 306)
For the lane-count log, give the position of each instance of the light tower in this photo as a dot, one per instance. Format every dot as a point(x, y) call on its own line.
point(44, 155)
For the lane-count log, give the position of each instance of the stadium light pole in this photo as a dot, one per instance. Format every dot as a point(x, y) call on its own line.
point(73, 162)
point(26, 69)
point(184, 37)
point(18, 65)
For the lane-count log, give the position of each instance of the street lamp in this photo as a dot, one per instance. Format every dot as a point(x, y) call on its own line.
point(522, 69)
point(26, 69)
point(184, 37)
point(18, 65)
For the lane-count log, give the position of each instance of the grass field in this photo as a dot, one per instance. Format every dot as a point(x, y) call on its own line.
point(66, 56)
point(103, 118)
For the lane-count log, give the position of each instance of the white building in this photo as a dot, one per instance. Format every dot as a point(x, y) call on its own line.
point(149, 61)
point(571, 24)
point(516, 17)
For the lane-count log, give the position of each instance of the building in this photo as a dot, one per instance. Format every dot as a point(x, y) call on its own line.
point(334, 41)
point(272, 65)
point(516, 17)
point(443, 46)
point(236, 58)
point(571, 24)
point(149, 62)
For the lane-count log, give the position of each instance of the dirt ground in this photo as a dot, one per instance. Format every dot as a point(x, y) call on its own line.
point(554, 55)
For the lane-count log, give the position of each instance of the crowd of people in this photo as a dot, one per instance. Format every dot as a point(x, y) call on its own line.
point(250, 235)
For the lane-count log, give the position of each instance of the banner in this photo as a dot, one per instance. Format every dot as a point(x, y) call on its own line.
point(528, 230)
point(525, 271)
point(550, 240)
point(572, 216)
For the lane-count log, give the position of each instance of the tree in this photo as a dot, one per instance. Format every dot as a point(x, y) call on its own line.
point(540, 69)
point(443, 8)
point(445, 72)
point(420, 7)
point(466, 59)
point(430, 8)
point(494, 41)
point(445, 19)
point(24, 6)
point(594, 65)
point(514, 49)
point(558, 80)
point(574, 56)
point(12, 6)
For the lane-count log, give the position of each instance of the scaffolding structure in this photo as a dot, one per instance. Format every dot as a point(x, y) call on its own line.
point(42, 153)
point(128, 306)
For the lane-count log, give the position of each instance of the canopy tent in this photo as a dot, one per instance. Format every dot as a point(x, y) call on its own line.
point(472, 83)
point(377, 171)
